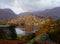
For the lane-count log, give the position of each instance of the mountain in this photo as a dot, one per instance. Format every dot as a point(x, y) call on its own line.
point(6, 14)
point(54, 13)
point(25, 13)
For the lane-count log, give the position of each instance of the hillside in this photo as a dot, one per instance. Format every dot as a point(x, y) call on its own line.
point(6, 14)
point(54, 13)
point(29, 22)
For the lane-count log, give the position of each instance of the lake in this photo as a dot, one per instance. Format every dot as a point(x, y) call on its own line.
point(19, 31)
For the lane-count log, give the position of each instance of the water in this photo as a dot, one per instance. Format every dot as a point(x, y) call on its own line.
point(19, 31)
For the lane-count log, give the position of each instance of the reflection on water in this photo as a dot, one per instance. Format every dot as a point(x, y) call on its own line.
point(19, 31)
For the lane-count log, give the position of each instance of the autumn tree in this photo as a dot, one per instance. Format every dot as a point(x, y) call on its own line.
point(55, 34)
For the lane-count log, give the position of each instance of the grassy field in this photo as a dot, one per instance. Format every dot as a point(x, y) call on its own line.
point(20, 36)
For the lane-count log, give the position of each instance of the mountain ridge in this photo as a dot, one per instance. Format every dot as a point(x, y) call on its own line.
point(7, 14)
point(55, 13)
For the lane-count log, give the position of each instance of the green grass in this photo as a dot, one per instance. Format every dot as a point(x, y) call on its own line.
point(20, 36)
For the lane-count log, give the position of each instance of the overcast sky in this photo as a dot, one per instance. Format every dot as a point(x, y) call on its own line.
point(19, 6)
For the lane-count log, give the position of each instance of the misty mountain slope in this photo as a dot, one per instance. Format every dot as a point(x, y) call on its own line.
point(6, 14)
point(55, 13)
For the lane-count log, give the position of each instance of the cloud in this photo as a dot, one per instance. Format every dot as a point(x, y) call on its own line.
point(6, 2)
point(39, 4)
point(19, 6)
point(12, 4)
